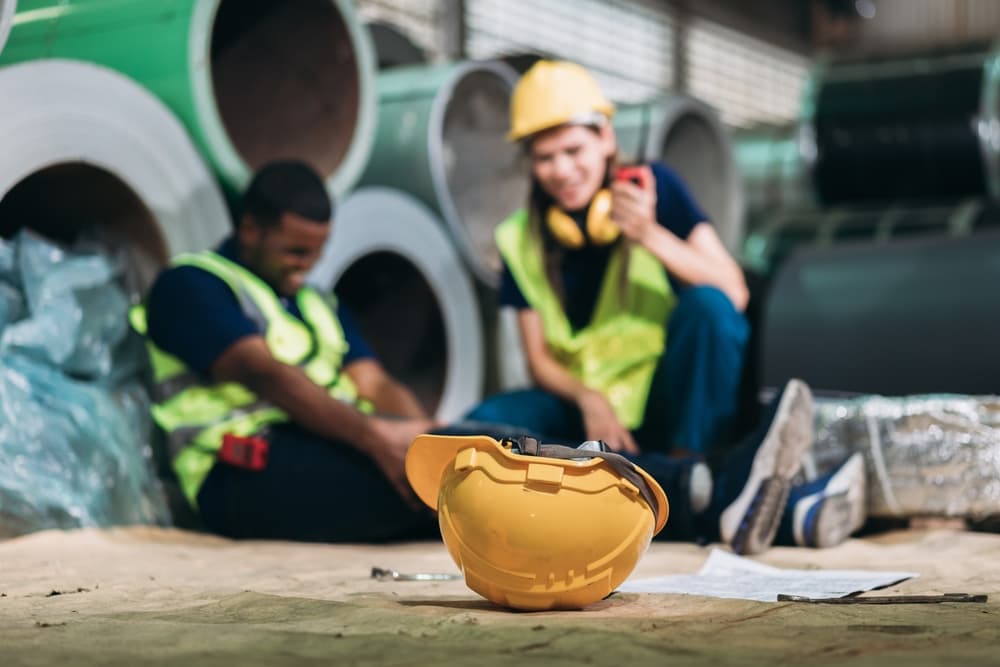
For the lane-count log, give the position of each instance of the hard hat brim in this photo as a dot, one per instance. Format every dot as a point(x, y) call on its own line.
point(429, 456)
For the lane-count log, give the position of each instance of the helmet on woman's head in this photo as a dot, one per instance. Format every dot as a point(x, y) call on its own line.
point(537, 526)
point(553, 93)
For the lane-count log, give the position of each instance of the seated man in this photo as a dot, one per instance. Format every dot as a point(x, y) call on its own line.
point(263, 389)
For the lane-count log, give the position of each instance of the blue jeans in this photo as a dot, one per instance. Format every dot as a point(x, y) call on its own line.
point(694, 396)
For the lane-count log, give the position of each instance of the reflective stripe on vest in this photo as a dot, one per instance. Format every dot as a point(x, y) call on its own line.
point(617, 352)
point(195, 415)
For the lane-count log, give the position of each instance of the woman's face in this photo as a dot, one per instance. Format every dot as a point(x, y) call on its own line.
point(569, 162)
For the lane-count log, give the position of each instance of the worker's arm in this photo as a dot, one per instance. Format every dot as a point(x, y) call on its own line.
point(700, 259)
point(388, 395)
point(249, 362)
point(600, 421)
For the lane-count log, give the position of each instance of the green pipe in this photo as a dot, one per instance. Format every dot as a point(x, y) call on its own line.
point(252, 80)
point(441, 138)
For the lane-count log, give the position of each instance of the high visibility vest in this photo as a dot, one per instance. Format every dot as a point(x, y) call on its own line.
point(617, 352)
point(195, 413)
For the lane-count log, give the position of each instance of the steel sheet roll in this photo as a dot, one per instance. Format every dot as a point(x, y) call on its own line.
point(74, 163)
point(390, 260)
point(906, 127)
point(687, 135)
point(912, 316)
point(441, 137)
point(7, 8)
point(252, 80)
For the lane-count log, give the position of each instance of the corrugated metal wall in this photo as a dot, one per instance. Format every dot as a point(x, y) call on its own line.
point(628, 44)
point(423, 21)
point(747, 80)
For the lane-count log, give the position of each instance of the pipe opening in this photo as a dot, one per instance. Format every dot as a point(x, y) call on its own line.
point(286, 81)
point(401, 319)
point(485, 176)
point(73, 201)
point(691, 147)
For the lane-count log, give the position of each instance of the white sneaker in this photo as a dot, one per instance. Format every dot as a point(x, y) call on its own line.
point(831, 508)
point(750, 522)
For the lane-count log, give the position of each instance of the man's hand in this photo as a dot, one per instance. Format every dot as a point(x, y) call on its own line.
point(601, 423)
point(633, 208)
point(389, 439)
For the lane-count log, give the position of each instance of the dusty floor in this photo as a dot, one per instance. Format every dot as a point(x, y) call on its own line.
point(150, 596)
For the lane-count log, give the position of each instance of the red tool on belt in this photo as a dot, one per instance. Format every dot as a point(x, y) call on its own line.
point(244, 451)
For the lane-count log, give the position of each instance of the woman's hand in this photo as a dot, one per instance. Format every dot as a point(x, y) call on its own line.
point(634, 208)
point(601, 423)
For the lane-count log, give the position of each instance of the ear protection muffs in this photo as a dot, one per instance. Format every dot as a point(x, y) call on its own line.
point(600, 229)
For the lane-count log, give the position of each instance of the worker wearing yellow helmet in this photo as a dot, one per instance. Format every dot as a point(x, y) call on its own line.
point(631, 314)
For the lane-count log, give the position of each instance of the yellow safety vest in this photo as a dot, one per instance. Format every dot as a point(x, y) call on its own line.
point(617, 352)
point(195, 414)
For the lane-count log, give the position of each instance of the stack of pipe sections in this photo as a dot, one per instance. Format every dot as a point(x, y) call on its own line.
point(906, 127)
point(85, 145)
point(928, 455)
point(391, 261)
point(252, 80)
point(687, 135)
point(441, 137)
point(7, 9)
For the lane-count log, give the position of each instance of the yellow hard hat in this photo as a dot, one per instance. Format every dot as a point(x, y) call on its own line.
point(552, 93)
point(537, 526)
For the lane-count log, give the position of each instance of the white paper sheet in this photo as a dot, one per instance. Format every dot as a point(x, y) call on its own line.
point(725, 575)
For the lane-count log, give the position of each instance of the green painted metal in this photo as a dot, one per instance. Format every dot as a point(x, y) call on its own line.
point(441, 139)
point(166, 46)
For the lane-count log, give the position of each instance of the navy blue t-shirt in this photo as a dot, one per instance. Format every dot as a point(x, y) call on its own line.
point(583, 269)
point(194, 315)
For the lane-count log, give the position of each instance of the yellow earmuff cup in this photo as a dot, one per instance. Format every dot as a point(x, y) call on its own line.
point(601, 229)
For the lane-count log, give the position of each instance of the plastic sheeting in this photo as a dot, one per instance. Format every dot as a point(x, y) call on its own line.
point(74, 413)
point(928, 455)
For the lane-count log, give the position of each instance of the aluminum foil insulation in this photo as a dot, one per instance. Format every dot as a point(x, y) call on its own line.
point(928, 455)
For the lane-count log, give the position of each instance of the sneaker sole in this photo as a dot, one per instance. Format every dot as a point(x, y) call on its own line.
point(751, 521)
point(843, 512)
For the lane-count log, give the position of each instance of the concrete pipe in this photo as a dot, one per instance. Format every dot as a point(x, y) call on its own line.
point(74, 164)
point(252, 80)
point(908, 126)
point(390, 260)
point(687, 135)
point(7, 8)
point(441, 138)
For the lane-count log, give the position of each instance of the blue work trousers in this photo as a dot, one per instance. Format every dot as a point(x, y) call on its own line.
point(694, 395)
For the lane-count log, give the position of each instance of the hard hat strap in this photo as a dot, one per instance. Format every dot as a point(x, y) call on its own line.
point(530, 446)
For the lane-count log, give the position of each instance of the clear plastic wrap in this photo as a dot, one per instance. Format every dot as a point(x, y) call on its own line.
point(74, 413)
point(930, 455)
